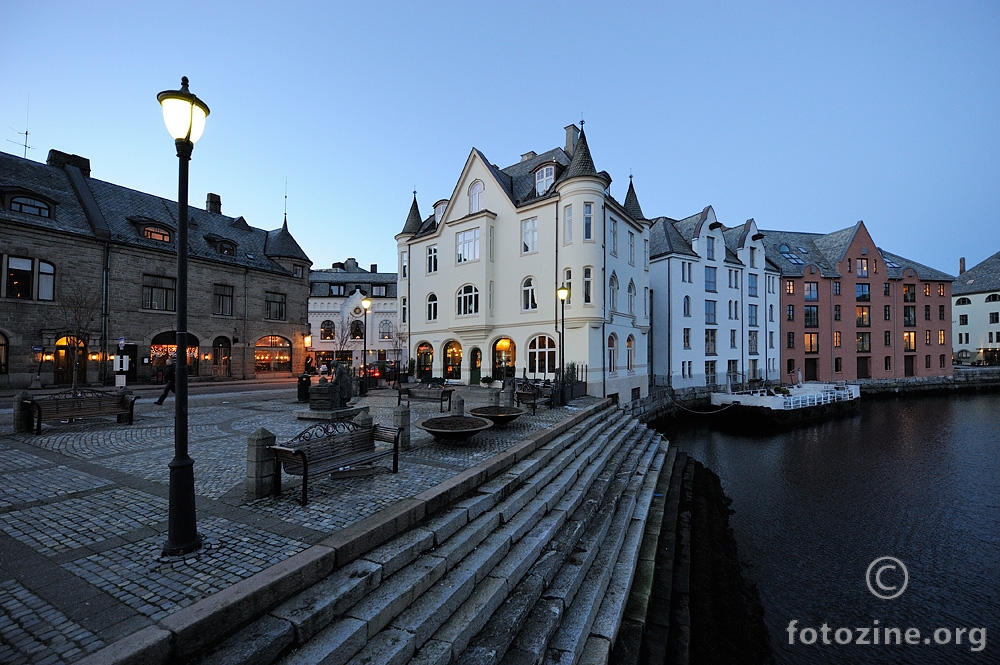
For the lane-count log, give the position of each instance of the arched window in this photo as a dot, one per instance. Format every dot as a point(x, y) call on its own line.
point(402, 309)
point(385, 329)
point(467, 300)
point(357, 329)
point(687, 305)
point(963, 301)
point(271, 354)
point(157, 233)
point(528, 300)
point(425, 360)
point(504, 357)
point(542, 355)
point(30, 206)
point(630, 353)
point(327, 331)
point(476, 196)
point(453, 360)
point(432, 307)
point(612, 353)
point(613, 292)
point(543, 179)
point(631, 297)
point(993, 297)
point(588, 285)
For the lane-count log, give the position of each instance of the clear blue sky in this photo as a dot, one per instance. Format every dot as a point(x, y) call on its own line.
point(803, 115)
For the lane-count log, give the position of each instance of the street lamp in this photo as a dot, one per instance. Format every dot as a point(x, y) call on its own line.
point(184, 115)
point(562, 293)
point(366, 304)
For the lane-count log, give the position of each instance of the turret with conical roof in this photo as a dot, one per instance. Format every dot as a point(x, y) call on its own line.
point(413, 219)
point(582, 163)
point(632, 202)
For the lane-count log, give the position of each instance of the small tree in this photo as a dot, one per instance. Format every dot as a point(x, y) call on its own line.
point(80, 307)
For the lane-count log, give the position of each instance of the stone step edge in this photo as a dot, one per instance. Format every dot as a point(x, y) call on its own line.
point(195, 628)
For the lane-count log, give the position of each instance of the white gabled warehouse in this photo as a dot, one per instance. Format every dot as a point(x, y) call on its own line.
point(478, 277)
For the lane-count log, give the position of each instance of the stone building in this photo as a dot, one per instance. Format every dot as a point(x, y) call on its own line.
point(90, 272)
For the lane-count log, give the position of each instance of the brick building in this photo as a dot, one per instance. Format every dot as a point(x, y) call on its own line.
point(90, 271)
point(850, 310)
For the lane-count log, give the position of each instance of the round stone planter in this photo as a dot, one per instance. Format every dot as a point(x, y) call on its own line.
point(499, 415)
point(454, 428)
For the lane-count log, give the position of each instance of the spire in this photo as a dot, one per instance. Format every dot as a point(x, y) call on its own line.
point(413, 220)
point(632, 202)
point(582, 163)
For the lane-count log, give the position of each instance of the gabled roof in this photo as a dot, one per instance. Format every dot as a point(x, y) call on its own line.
point(800, 246)
point(664, 238)
point(983, 277)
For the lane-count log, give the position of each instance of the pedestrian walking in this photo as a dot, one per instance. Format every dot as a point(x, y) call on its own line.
point(170, 374)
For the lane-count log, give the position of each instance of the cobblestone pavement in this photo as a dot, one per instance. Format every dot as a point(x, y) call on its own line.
point(83, 511)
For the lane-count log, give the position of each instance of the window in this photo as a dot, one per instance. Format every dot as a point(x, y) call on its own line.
point(888, 338)
point(909, 292)
point(862, 266)
point(963, 319)
point(432, 307)
point(838, 364)
point(862, 292)
point(941, 337)
point(403, 309)
point(158, 293)
point(927, 312)
point(588, 221)
point(568, 224)
point(753, 257)
point(909, 315)
point(467, 246)
point(732, 339)
point(994, 317)
point(645, 302)
point(630, 353)
point(467, 301)
point(864, 342)
point(543, 179)
point(863, 315)
point(790, 256)
point(810, 316)
point(887, 312)
point(940, 289)
point(710, 373)
point(46, 281)
point(30, 206)
point(789, 287)
point(752, 315)
point(528, 300)
point(687, 305)
point(836, 288)
point(752, 337)
point(19, 278)
point(836, 339)
point(378, 291)
point(542, 355)
point(886, 290)
point(909, 340)
point(836, 312)
point(810, 342)
point(613, 293)
point(770, 339)
point(631, 248)
point(770, 313)
point(432, 259)
point(157, 233)
point(927, 289)
point(327, 331)
point(993, 297)
point(476, 196)
point(222, 300)
point(439, 210)
point(790, 340)
point(710, 312)
point(888, 363)
point(588, 285)
point(710, 248)
point(687, 338)
point(790, 313)
point(568, 282)
point(612, 353)
point(274, 306)
point(357, 330)
point(710, 277)
point(613, 237)
point(404, 261)
point(941, 360)
point(710, 348)
point(811, 291)
point(927, 338)
point(645, 253)
point(529, 235)
point(941, 312)
point(337, 290)
point(752, 285)
point(631, 298)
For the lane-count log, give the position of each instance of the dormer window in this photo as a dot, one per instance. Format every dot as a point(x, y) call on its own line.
point(229, 249)
point(476, 197)
point(543, 179)
point(157, 233)
point(30, 206)
point(439, 211)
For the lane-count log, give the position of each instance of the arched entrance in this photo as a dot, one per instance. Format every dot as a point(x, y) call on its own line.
point(504, 357)
point(272, 353)
point(453, 360)
point(475, 366)
point(425, 361)
point(70, 356)
point(221, 352)
point(165, 344)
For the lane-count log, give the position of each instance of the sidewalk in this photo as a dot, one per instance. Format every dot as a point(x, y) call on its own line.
point(83, 511)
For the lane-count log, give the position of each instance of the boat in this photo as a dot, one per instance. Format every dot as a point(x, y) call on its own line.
point(786, 405)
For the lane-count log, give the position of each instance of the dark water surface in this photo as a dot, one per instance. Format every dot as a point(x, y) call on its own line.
point(917, 479)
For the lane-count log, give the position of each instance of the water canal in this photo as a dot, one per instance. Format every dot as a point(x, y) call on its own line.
point(917, 479)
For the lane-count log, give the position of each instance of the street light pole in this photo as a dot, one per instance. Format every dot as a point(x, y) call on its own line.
point(365, 305)
point(184, 114)
point(562, 293)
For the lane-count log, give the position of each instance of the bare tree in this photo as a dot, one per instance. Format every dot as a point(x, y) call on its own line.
point(80, 308)
point(397, 342)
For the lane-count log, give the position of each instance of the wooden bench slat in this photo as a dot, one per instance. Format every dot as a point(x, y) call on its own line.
point(81, 404)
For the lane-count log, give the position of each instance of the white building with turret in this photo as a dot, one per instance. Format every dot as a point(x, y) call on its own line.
point(478, 277)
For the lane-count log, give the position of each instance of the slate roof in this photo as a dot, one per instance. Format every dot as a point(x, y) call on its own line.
point(353, 277)
point(632, 202)
point(981, 278)
point(664, 238)
point(412, 224)
point(126, 211)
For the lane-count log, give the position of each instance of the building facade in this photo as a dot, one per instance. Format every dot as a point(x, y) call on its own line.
point(90, 272)
point(850, 310)
point(976, 321)
point(714, 296)
point(478, 277)
point(340, 328)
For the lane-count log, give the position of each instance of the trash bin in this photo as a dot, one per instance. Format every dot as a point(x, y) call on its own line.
point(304, 381)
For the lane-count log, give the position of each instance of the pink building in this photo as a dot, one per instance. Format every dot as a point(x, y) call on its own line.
point(850, 310)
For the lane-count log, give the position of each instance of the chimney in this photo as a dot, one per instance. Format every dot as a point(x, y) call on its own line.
point(61, 159)
point(351, 264)
point(374, 268)
point(572, 135)
point(528, 155)
point(961, 265)
point(214, 203)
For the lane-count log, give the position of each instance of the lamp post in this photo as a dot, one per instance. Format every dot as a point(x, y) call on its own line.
point(366, 304)
point(184, 115)
point(562, 293)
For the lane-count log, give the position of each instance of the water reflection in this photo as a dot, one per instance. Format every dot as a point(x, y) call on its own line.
point(916, 479)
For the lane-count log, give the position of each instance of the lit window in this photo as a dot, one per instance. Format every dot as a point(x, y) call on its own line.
point(789, 287)
point(385, 329)
point(862, 265)
point(157, 233)
point(810, 342)
point(327, 331)
point(909, 340)
point(836, 339)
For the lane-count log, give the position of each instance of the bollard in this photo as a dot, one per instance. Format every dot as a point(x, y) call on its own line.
point(401, 420)
point(260, 464)
point(364, 419)
point(494, 397)
point(22, 414)
point(508, 395)
point(459, 406)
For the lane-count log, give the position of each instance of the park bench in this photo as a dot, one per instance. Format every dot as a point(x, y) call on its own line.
point(82, 403)
point(430, 393)
point(332, 446)
point(532, 393)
